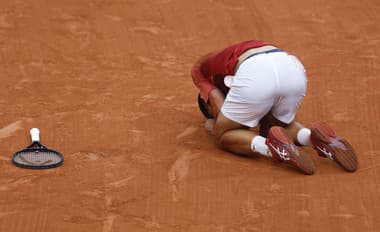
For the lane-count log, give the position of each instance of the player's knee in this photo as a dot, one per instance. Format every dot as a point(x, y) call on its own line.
point(221, 126)
point(219, 130)
point(226, 140)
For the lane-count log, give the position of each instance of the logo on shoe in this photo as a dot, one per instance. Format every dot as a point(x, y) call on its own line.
point(326, 153)
point(283, 154)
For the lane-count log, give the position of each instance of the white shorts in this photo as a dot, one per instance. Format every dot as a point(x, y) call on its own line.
point(270, 82)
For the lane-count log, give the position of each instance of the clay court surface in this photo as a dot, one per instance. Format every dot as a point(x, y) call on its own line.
point(108, 84)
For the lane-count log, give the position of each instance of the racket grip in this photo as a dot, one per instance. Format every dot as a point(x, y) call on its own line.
point(35, 134)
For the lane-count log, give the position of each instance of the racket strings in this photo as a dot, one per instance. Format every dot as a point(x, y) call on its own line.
point(38, 158)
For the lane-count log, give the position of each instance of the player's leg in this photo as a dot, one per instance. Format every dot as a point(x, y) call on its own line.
point(269, 121)
point(320, 136)
point(299, 134)
point(233, 136)
point(236, 138)
point(251, 97)
point(328, 145)
point(230, 135)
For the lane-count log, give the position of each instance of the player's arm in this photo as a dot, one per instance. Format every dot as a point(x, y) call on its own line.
point(215, 101)
point(201, 79)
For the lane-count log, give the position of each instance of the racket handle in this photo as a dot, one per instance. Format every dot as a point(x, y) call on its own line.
point(35, 134)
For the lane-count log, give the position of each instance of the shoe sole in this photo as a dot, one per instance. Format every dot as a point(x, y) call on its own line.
point(302, 160)
point(345, 158)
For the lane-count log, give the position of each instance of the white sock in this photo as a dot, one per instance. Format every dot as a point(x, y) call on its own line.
point(303, 137)
point(258, 145)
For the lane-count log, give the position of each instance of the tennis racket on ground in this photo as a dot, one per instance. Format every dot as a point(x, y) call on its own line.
point(36, 155)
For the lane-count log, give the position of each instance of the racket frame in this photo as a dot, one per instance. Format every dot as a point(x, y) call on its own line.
point(37, 146)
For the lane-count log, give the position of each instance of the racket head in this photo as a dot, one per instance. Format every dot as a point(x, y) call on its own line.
point(37, 156)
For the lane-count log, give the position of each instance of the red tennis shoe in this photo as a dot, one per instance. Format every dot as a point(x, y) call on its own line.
point(330, 146)
point(284, 150)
